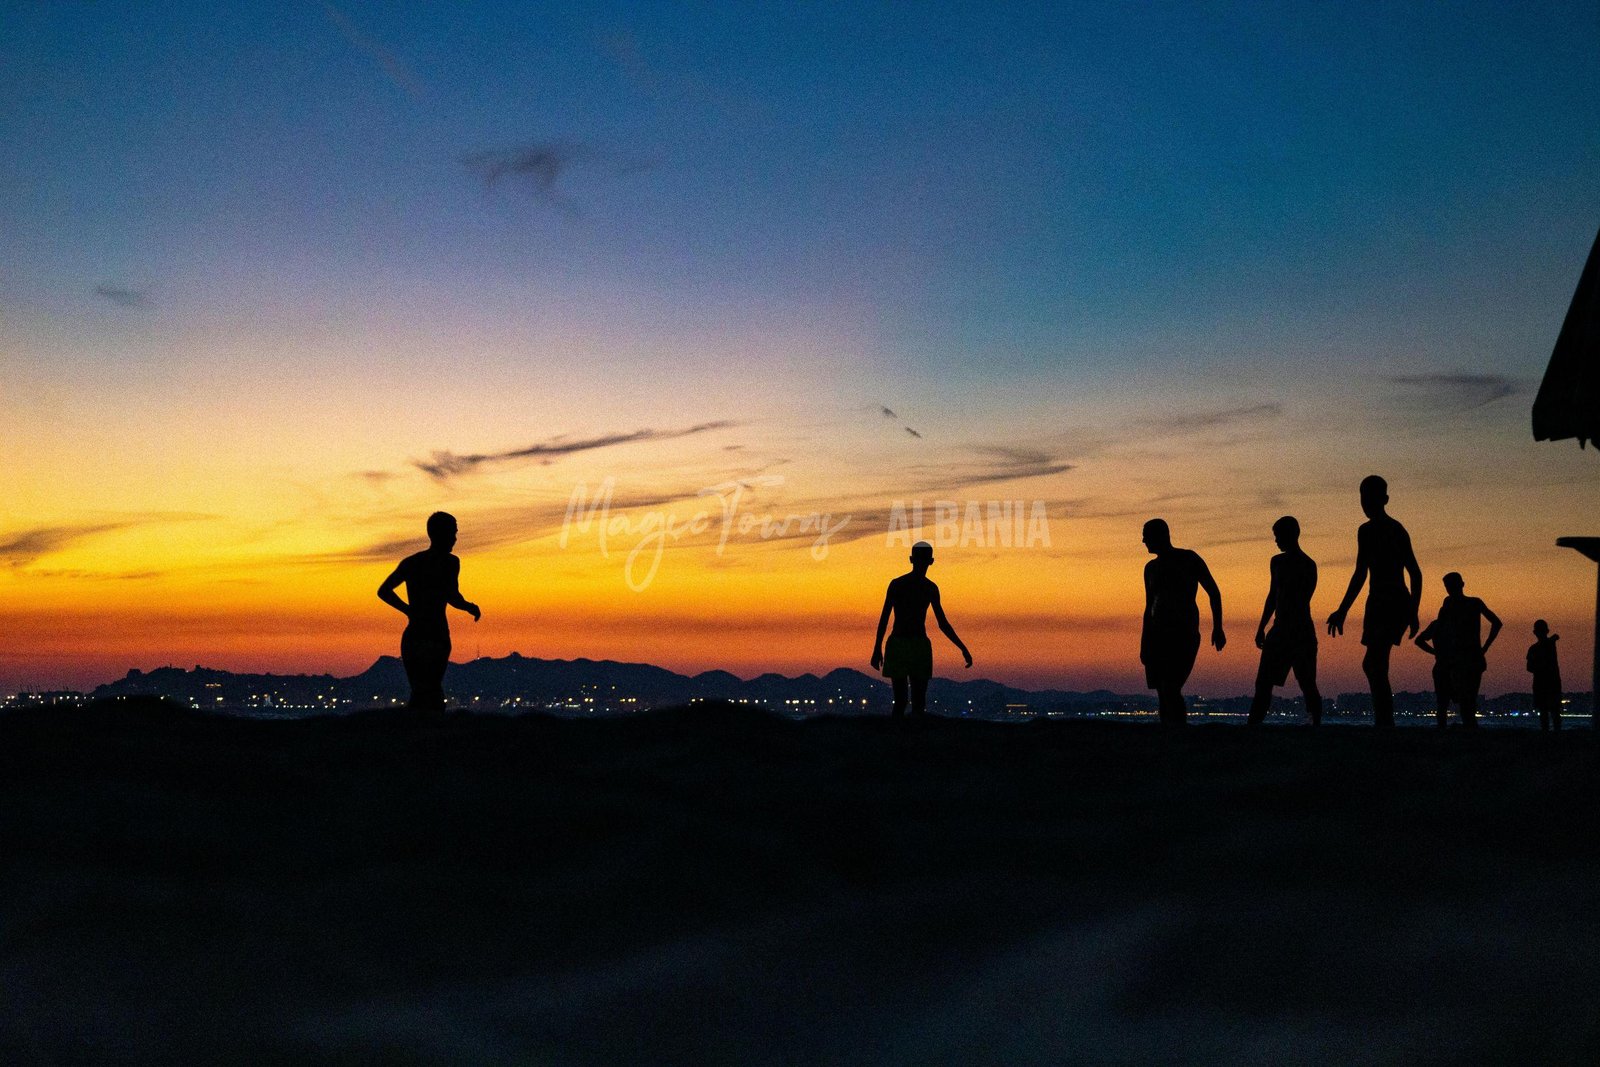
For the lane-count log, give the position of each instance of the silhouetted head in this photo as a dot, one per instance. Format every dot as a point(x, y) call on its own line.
point(1454, 583)
point(922, 555)
point(1286, 531)
point(442, 530)
point(1157, 537)
point(1541, 628)
point(1374, 495)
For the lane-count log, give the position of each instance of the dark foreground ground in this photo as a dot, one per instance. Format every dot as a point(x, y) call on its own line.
point(714, 885)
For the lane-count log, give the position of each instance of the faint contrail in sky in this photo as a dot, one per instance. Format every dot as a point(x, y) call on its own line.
point(392, 65)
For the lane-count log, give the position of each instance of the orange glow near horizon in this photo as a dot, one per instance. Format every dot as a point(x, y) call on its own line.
point(263, 574)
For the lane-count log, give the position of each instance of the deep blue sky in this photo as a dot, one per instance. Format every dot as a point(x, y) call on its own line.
point(1013, 180)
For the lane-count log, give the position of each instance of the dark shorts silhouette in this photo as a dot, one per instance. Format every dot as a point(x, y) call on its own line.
point(1386, 619)
point(425, 656)
point(1456, 682)
point(1289, 647)
point(907, 656)
point(1169, 653)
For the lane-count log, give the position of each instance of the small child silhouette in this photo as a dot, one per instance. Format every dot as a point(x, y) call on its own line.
point(1546, 671)
point(431, 579)
point(908, 659)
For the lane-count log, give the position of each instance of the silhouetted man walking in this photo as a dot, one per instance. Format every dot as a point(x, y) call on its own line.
point(1383, 555)
point(1453, 640)
point(1291, 644)
point(431, 579)
point(1545, 667)
point(908, 660)
point(1170, 639)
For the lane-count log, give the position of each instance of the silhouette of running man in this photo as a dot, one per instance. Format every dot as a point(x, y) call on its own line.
point(1546, 670)
point(1453, 640)
point(908, 659)
point(431, 579)
point(1383, 555)
point(1170, 639)
point(1291, 644)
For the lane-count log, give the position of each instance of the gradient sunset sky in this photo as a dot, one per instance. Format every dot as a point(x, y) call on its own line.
point(278, 280)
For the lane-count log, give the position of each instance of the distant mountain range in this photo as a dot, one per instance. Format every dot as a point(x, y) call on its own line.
point(586, 684)
point(580, 686)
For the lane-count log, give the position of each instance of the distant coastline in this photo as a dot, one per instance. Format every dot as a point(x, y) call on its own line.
point(578, 687)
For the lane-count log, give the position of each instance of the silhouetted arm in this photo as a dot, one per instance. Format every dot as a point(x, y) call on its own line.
point(456, 600)
point(883, 624)
point(1415, 572)
point(1357, 580)
point(944, 625)
point(1209, 584)
point(1268, 608)
point(1494, 627)
point(387, 594)
point(1424, 641)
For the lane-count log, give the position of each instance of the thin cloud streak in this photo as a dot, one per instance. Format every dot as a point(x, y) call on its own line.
point(1460, 391)
point(541, 166)
point(386, 60)
point(445, 465)
point(23, 547)
point(1210, 420)
point(122, 297)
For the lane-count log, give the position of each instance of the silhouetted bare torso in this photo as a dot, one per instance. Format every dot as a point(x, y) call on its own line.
point(1174, 579)
point(910, 595)
point(431, 580)
point(1294, 577)
point(1386, 547)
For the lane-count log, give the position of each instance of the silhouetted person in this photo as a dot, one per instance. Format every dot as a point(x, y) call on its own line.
point(907, 660)
point(1383, 555)
point(1454, 641)
point(431, 579)
point(1291, 644)
point(1546, 671)
point(1170, 639)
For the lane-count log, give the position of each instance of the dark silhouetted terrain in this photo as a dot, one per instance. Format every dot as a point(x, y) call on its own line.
point(718, 885)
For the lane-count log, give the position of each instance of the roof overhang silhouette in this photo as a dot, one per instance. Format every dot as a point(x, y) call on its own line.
point(1568, 404)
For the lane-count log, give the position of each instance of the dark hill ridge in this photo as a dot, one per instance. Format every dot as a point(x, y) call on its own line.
point(602, 684)
point(719, 885)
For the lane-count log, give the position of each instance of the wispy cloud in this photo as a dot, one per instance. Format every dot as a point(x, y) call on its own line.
point(1210, 420)
point(25, 546)
point(446, 465)
point(1458, 391)
point(992, 464)
point(122, 296)
point(390, 63)
point(540, 167)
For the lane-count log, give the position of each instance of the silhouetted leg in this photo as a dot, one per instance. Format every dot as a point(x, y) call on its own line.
point(899, 695)
point(425, 660)
point(1375, 664)
point(1305, 676)
point(1441, 706)
point(1261, 704)
point(1469, 707)
point(1169, 703)
point(919, 695)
